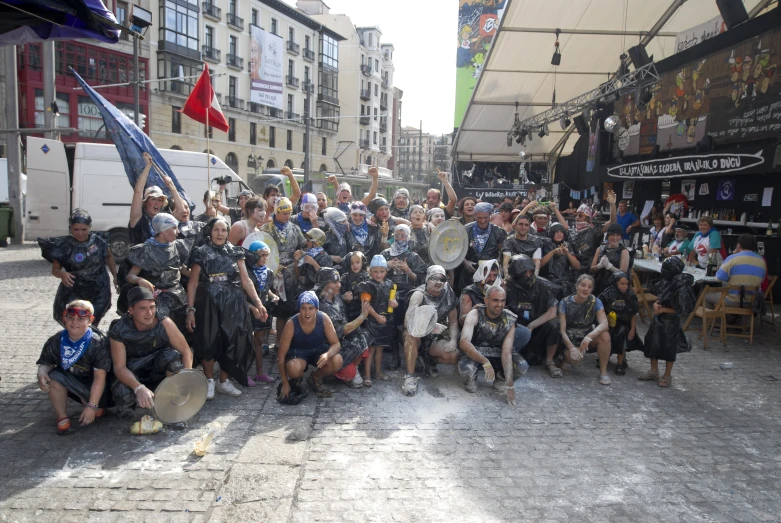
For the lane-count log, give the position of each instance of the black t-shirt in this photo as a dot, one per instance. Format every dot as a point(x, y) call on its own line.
point(142, 231)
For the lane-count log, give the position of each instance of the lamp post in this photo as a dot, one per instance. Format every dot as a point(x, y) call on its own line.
point(140, 20)
point(254, 161)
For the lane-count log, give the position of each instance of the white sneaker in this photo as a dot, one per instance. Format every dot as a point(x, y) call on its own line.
point(228, 388)
point(209, 389)
point(357, 381)
point(410, 385)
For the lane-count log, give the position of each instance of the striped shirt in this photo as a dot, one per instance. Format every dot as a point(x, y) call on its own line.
point(743, 268)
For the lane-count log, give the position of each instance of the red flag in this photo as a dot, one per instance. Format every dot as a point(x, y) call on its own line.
point(202, 98)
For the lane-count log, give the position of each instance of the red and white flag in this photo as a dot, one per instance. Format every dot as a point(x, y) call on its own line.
point(201, 99)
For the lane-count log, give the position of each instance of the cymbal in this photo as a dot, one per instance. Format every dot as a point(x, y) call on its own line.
point(180, 397)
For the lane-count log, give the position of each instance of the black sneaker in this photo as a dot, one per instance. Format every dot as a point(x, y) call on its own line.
point(430, 368)
point(125, 414)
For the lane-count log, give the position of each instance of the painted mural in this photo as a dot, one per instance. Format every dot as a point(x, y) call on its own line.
point(478, 21)
point(732, 95)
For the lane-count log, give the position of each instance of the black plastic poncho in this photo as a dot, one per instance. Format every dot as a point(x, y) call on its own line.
point(289, 239)
point(355, 343)
point(403, 284)
point(160, 266)
point(514, 245)
point(529, 302)
point(489, 333)
point(603, 279)
point(86, 261)
point(580, 317)
point(665, 337)
point(350, 282)
point(444, 303)
point(558, 269)
point(583, 244)
point(379, 335)
point(418, 243)
point(308, 274)
point(625, 306)
point(491, 249)
point(223, 328)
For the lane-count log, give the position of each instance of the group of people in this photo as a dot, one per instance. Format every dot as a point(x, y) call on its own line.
point(354, 281)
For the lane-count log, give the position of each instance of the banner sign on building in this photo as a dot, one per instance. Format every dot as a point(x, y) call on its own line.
point(266, 77)
point(732, 95)
point(699, 33)
point(693, 165)
point(478, 21)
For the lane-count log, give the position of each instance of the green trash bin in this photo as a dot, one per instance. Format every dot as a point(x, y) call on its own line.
point(6, 225)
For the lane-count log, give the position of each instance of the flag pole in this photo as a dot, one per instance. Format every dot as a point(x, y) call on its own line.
point(208, 155)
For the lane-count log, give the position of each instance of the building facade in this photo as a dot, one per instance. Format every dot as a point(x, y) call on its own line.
point(396, 119)
point(366, 85)
point(416, 153)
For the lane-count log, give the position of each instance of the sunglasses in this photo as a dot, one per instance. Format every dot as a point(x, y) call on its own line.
point(439, 279)
point(81, 313)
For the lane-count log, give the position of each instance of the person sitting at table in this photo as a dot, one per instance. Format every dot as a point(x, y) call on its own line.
point(609, 259)
point(706, 242)
point(680, 244)
point(745, 268)
point(665, 338)
point(657, 234)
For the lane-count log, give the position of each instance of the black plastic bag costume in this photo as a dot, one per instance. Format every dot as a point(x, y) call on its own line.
point(370, 246)
point(160, 266)
point(625, 306)
point(418, 243)
point(87, 263)
point(403, 284)
point(665, 337)
point(355, 343)
point(583, 244)
point(490, 250)
point(192, 234)
point(250, 259)
point(223, 328)
point(379, 335)
point(558, 269)
point(289, 239)
point(142, 231)
point(336, 245)
point(308, 275)
point(487, 339)
point(603, 279)
point(580, 317)
point(350, 282)
point(78, 377)
point(527, 247)
point(149, 356)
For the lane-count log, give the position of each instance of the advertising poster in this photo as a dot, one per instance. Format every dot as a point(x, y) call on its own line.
point(628, 191)
point(688, 189)
point(478, 21)
point(266, 77)
point(726, 190)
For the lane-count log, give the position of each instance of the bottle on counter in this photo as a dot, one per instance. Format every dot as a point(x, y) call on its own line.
point(711, 267)
point(770, 227)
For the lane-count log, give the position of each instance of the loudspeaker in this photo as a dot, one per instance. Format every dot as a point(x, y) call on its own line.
point(639, 56)
point(580, 124)
point(732, 11)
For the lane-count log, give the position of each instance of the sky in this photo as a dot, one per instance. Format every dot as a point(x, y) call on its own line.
point(423, 33)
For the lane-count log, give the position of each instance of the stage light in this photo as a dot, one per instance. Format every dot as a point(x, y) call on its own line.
point(565, 123)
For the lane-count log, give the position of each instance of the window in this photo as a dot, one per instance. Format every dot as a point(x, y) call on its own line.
point(291, 34)
point(233, 45)
point(232, 8)
point(179, 25)
point(290, 140)
point(253, 133)
point(176, 120)
point(255, 17)
point(363, 109)
point(291, 67)
point(375, 114)
point(290, 103)
point(232, 161)
point(329, 52)
point(306, 74)
point(324, 150)
point(375, 138)
point(376, 89)
point(274, 26)
point(272, 136)
point(232, 81)
point(121, 12)
point(370, 87)
point(371, 39)
point(307, 43)
point(376, 65)
point(208, 36)
point(363, 60)
point(208, 133)
point(232, 132)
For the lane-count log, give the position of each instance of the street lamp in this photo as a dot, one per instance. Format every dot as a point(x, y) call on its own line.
point(140, 20)
point(254, 161)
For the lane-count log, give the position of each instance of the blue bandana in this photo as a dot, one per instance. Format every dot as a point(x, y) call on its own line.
point(152, 241)
point(308, 297)
point(344, 207)
point(480, 237)
point(305, 225)
point(72, 351)
point(360, 233)
point(314, 251)
point(261, 273)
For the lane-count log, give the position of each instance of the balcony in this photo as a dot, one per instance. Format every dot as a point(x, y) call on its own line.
point(365, 144)
point(383, 148)
point(234, 103)
point(383, 103)
point(383, 127)
point(255, 108)
point(365, 120)
point(385, 82)
point(235, 62)
point(323, 97)
point(235, 21)
point(366, 95)
point(309, 55)
point(293, 117)
point(273, 112)
point(210, 54)
point(175, 87)
point(292, 81)
point(366, 69)
point(212, 11)
point(293, 48)
point(308, 87)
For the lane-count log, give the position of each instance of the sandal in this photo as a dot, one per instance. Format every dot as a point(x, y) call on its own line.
point(64, 426)
point(316, 385)
point(649, 376)
point(621, 369)
point(382, 377)
point(553, 370)
point(604, 380)
point(367, 382)
point(665, 381)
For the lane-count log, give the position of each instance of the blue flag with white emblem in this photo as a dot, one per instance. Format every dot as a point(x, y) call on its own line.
point(131, 143)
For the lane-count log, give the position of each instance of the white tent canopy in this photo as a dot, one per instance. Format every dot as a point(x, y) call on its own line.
point(594, 33)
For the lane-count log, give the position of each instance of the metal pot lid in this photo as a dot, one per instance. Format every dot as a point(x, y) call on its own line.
point(180, 397)
point(448, 244)
point(273, 258)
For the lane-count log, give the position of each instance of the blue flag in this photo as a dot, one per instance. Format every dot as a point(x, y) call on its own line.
point(131, 142)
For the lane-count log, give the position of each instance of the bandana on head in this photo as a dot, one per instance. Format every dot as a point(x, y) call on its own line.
point(484, 269)
point(400, 246)
point(164, 221)
point(309, 298)
point(484, 207)
point(72, 351)
point(337, 222)
point(309, 203)
point(378, 260)
point(80, 216)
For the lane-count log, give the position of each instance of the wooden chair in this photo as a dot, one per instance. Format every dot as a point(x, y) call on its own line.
point(702, 311)
point(770, 304)
point(746, 310)
point(644, 298)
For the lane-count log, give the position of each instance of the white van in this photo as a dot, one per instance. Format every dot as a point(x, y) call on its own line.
point(62, 177)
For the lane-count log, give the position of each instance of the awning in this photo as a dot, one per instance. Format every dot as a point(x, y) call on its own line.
point(518, 68)
point(25, 21)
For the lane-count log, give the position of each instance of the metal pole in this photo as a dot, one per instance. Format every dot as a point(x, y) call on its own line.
point(420, 152)
point(49, 118)
point(307, 134)
point(13, 149)
point(136, 84)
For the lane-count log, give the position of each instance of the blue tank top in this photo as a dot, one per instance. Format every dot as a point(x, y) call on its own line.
point(313, 340)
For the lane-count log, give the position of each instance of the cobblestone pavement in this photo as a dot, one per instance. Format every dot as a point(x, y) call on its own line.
point(706, 449)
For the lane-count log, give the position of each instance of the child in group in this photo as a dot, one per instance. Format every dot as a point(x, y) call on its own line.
point(263, 278)
point(355, 263)
point(435, 217)
point(380, 325)
point(621, 306)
